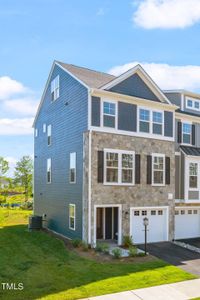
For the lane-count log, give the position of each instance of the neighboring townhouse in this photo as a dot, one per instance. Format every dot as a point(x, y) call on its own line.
point(187, 157)
point(105, 155)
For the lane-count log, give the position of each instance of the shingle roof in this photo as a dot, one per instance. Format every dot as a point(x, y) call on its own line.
point(91, 78)
point(188, 150)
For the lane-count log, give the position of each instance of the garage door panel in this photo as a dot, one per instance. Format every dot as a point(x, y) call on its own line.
point(157, 228)
point(187, 223)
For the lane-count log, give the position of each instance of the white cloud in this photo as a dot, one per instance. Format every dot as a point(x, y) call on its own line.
point(167, 76)
point(167, 14)
point(10, 87)
point(24, 106)
point(16, 126)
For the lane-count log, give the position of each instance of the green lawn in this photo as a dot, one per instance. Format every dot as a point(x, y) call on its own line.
point(49, 271)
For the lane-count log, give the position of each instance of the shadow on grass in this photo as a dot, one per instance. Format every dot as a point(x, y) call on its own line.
point(45, 267)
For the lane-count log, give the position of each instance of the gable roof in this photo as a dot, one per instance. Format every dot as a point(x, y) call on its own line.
point(146, 78)
point(91, 78)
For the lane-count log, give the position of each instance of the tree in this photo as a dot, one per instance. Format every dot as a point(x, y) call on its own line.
point(24, 174)
point(4, 166)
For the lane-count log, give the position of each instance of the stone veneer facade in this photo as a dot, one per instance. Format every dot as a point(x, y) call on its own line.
point(139, 195)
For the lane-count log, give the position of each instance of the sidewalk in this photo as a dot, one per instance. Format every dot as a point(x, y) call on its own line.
point(175, 291)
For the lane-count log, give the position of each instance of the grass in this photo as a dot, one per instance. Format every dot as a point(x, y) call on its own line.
point(49, 271)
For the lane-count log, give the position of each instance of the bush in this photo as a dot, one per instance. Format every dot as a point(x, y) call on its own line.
point(84, 246)
point(102, 247)
point(127, 241)
point(117, 253)
point(133, 251)
point(76, 243)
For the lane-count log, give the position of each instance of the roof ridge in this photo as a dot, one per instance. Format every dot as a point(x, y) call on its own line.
point(86, 68)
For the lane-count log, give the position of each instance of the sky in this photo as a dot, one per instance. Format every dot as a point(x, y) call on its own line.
point(110, 36)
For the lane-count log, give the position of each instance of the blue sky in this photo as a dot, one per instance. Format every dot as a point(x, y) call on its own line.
point(104, 35)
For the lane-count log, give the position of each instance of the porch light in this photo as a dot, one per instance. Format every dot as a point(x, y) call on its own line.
point(145, 223)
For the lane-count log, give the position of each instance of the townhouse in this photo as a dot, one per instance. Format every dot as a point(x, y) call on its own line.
point(110, 151)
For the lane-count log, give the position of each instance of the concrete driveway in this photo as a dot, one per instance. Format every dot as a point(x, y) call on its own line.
point(175, 255)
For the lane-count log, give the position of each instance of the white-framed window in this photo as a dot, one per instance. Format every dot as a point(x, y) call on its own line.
point(109, 114)
point(193, 175)
point(72, 163)
point(119, 167)
point(55, 88)
point(151, 121)
point(193, 104)
point(72, 216)
point(157, 122)
point(144, 121)
point(49, 170)
point(158, 169)
point(36, 132)
point(44, 128)
point(186, 133)
point(49, 132)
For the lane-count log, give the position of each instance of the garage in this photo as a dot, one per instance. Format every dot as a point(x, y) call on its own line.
point(187, 222)
point(157, 228)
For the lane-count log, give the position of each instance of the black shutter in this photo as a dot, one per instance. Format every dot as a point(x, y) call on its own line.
point(137, 168)
point(193, 134)
point(167, 170)
point(100, 166)
point(149, 169)
point(179, 133)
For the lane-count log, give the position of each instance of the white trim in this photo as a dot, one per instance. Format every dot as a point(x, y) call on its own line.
point(73, 205)
point(151, 208)
point(146, 78)
point(129, 133)
point(187, 189)
point(186, 117)
point(182, 143)
point(49, 160)
point(119, 220)
point(151, 111)
point(70, 158)
point(102, 113)
point(187, 98)
point(119, 152)
point(152, 168)
point(49, 135)
point(89, 186)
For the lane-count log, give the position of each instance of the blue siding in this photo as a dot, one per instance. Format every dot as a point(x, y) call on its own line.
point(135, 86)
point(68, 124)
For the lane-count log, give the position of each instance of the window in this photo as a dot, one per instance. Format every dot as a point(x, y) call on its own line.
point(158, 169)
point(112, 167)
point(193, 104)
point(119, 166)
point(55, 88)
point(72, 216)
point(153, 212)
point(144, 120)
point(72, 175)
point(189, 212)
point(160, 212)
point(36, 132)
point(193, 175)
point(109, 114)
point(127, 168)
point(187, 131)
point(182, 212)
point(49, 135)
point(195, 212)
point(176, 212)
point(150, 121)
point(136, 213)
point(49, 170)
point(144, 212)
point(44, 128)
point(157, 122)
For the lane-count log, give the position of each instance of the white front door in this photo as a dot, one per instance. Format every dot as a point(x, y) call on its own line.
point(187, 223)
point(157, 228)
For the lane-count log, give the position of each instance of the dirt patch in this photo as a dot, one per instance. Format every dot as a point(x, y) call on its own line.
point(97, 256)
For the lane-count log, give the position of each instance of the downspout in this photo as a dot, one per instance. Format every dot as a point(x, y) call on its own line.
point(89, 188)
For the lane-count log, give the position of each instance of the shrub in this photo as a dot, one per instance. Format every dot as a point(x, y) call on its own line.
point(117, 253)
point(141, 254)
point(102, 247)
point(133, 251)
point(127, 241)
point(84, 246)
point(76, 243)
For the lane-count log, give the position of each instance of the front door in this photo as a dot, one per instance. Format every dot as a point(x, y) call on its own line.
point(107, 223)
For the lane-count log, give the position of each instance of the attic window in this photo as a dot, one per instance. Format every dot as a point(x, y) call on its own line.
point(55, 86)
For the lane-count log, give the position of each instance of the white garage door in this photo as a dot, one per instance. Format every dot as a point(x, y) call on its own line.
point(157, 228)
point(187, 223)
